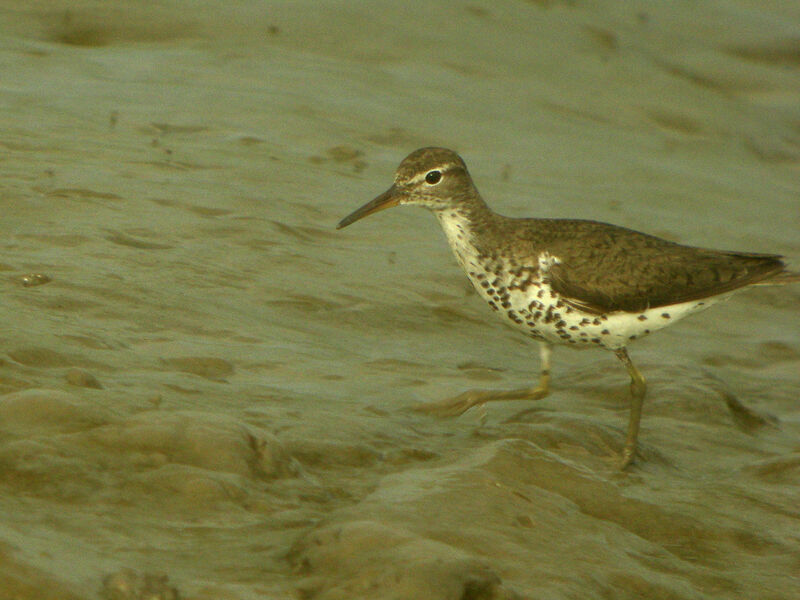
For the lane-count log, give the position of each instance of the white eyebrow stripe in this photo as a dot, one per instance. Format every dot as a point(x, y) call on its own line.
point(419, 177)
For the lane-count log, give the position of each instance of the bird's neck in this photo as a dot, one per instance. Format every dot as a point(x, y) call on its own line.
point(467, 226)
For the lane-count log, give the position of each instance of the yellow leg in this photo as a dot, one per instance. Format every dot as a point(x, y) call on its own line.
point(451, 407)
point(638, 389)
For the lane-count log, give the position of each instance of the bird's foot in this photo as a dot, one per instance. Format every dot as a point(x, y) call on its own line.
point(458, 405)
point(453, 407)
point(628, 457)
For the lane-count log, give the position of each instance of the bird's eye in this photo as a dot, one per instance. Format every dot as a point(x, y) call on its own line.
point(433, 177)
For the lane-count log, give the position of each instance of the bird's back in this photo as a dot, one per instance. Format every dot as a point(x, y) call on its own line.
point(605, 268)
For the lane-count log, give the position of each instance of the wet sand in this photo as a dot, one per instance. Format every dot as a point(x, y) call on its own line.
point(205, 388)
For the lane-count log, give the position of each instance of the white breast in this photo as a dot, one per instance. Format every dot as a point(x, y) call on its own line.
point(456, 228)
point(524, 299)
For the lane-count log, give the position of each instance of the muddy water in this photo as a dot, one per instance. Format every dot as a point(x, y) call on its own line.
point(205, 387)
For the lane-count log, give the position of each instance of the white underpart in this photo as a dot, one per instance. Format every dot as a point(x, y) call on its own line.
point(547, 260)
point(611, 330)
point(456, 228)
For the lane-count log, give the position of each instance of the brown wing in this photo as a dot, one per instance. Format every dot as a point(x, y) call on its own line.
point(605, 268)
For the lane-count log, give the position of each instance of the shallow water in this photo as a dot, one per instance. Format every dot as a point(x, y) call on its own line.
point(208, 389)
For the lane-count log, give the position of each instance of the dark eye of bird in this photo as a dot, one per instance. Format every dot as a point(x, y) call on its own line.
point(433, 177)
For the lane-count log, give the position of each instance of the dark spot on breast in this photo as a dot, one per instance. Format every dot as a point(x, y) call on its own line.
point(585, 321)
point(540, 293)
point(574, 328)
point(569, 309)
point(537, 315)
point(632, 337)
point(665, 315)
point(525, 272)
point(604, 332)
point(596, 322)
point(642, 318)
point(493, 305)
point(505, 304)
point(522, 285)
point(595, 340)
point(561, 324)
point(485, 285)
point(560, 304)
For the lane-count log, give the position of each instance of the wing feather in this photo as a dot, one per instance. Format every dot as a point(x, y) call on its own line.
point(603, 268)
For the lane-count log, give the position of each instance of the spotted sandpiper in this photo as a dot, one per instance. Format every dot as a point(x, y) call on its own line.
point(562, 281)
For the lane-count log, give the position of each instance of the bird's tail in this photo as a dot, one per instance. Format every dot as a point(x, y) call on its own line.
point(782, 278)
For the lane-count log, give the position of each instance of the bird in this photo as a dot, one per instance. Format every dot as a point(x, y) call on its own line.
point(579, 283)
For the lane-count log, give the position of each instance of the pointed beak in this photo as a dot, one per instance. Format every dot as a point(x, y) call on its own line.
point(387, 199)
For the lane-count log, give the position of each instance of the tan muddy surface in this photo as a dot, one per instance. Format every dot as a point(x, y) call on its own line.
point(205, 388)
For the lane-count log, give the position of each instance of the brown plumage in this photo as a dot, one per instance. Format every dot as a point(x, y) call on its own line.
point(606, 268)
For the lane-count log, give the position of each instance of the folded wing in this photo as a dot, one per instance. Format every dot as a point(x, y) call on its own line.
point(603, 268)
